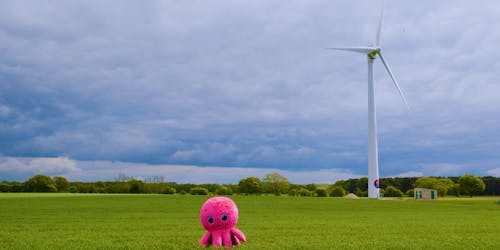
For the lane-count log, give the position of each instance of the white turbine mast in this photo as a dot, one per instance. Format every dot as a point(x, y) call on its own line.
point(372, 52)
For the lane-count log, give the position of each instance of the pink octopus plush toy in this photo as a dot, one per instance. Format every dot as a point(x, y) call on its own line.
point(219, 216)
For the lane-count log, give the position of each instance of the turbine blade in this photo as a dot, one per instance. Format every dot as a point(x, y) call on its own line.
point(364, 50)
point(377, 42)
point(393, 79)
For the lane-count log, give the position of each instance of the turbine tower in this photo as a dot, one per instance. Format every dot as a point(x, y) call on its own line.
point(372, 52)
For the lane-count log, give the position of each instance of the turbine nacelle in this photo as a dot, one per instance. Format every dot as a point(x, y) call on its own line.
point(372, 55)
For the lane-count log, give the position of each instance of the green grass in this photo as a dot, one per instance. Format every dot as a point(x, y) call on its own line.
point(93, 221)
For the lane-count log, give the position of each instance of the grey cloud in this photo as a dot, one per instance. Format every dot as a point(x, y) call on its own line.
point(247, 84)
point(30, 166)
point(494, 172)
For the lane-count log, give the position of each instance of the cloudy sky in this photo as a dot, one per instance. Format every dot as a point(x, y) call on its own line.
point(213, 91)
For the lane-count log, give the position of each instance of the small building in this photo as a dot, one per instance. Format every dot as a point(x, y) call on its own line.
point(425, 194)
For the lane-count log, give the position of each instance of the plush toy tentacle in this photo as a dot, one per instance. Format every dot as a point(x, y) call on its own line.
point(226, 238)
point(235, 240)
point(238, 234)
point(217, 238)
point(206, 239)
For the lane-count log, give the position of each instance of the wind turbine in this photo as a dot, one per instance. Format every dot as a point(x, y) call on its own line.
point(372, 52)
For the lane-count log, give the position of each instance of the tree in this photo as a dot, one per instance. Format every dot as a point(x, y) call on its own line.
point(441, 185)
point(492, 186)
point(169, 190)
point(304, 192)
point(425, 182)
point(311, 187)
point(198, 191)
point(276, 183)
point(4, 187)
point(40, 183)
point(406, 183)
point(136, 186)
point(444, 186)
point(210, 187)
point(392, 191)
point(337, 191)
point(350, 185)
point(361, 193)
point(321, 192)
point(250, 185)
point(410, 193)
point(61, 183)
point(362, 184)
point(455, 190)
point(470, 184)
point(223, 190)
point(118, 187)
point(339, 183)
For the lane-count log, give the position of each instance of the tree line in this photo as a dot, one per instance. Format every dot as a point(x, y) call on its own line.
point(273, 183)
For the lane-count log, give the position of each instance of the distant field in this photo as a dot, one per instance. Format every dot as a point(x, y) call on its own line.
point(105, 221)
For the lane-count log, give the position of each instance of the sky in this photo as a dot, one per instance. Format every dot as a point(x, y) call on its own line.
point(215, 91)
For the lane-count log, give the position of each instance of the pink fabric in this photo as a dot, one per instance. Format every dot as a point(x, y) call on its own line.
point(219, 216)
point(206, 239)
point(238, 234)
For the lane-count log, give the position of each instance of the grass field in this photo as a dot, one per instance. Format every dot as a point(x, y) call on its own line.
point(96, 221)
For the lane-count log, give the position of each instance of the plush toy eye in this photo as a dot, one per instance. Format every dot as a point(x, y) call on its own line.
point(210, 219)
point(224, 217)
